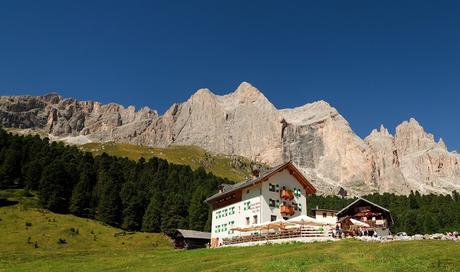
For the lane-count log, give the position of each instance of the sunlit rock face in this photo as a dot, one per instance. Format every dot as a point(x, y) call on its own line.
point(244, 122)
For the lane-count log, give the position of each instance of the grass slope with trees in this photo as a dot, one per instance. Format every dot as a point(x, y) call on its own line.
point(34, 239)
point(234, 168)
point(157, 196)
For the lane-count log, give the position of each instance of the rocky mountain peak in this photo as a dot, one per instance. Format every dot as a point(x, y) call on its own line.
point(309, 113)
point(244, 122)
point(411, 137)
point(441, 144)
point(381, 132)
point(245, 89)
point(52, 97)
point(202, 93)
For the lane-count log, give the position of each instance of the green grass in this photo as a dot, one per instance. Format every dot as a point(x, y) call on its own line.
point(153, 252)
point(232, 167)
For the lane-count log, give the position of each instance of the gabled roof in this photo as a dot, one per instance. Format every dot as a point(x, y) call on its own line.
point(367, 201)
point(194, 234)
point(264, 177)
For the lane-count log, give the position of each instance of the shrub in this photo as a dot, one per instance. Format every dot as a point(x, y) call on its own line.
point(29, 240)
point(28, 224)
point(27, 193)
point(61, 241)
point(74, 230)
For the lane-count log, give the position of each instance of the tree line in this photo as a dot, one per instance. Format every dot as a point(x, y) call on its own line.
point(157, 196)
point(414, 214)
point(153, 195)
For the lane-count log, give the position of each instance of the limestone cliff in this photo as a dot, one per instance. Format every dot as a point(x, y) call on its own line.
point(315, 136)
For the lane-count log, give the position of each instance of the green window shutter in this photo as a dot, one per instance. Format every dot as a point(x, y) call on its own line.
point(277, 205)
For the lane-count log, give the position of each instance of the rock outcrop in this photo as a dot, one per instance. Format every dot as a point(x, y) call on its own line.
point(315, 136)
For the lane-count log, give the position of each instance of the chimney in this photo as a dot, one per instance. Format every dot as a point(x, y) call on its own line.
point(255, 173)
point(221, 188)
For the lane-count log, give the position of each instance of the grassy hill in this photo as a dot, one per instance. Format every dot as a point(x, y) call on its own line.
point(97, 247)
point(30, 234)
point(234, 168)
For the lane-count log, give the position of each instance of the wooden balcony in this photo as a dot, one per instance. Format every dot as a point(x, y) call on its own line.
point(287, 209)
point(286, 194)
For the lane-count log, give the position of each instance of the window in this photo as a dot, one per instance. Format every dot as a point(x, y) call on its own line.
point(277, 205)
point(247, 205)
point(254, 221)
point(271, 187)
point(273, 218)
point(299, 206)
point(247, 221)
point(324, 215)
point(271, 203)
point(230, 225)
point(295, 206)
point(297, 192)
point(247, 192)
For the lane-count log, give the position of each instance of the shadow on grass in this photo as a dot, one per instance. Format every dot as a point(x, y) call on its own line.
point(6, 202)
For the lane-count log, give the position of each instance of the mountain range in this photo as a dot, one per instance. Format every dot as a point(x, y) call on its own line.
point(245, 123)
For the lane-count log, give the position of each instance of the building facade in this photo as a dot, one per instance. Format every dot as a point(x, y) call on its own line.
point(280, 192)
point(325, 215)
point(376, 217)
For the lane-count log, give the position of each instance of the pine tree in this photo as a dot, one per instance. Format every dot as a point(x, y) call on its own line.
point(153, 214)
point(80, 203)
point(11, 167)
point(55, 189)
point(110, 206)
point(198, 210)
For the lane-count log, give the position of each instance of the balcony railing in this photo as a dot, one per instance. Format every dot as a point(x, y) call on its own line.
point(287, 194)
point(287, 209)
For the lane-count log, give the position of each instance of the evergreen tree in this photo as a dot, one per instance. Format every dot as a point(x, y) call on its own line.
point(55, 189)
point(198, 210)
point(81, 196)
point(109, 208)
point(153, 214)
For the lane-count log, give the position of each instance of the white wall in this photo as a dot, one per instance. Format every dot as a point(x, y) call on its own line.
point(248, 207)
point(290, 182)
point(258, 197)
point(330, 216)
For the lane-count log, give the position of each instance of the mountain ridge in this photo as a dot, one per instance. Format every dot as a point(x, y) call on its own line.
point(315, 136)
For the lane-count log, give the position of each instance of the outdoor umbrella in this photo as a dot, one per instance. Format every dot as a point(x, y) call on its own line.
point(304, 220)
point(359, 223)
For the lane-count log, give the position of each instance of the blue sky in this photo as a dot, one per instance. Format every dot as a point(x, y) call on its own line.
point(375, 61)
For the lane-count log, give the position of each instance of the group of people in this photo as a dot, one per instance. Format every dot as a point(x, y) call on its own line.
point(360, 231)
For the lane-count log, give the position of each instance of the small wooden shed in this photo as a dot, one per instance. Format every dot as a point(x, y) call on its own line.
point(190, 239)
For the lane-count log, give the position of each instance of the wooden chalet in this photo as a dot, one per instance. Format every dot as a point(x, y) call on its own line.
point(364, 214)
